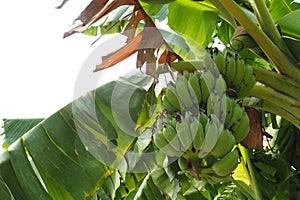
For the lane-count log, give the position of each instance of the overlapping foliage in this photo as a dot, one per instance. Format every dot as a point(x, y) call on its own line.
point(63, 156)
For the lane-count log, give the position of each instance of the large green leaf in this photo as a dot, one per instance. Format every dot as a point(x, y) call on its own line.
point(195, 21)
point(68, 148)
point(290, 25)
point(279, 8)
point(15, 128)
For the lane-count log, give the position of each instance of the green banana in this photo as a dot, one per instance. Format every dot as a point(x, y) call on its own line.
point(170, 135)
point(194, 87)
point(182, 163)
point(229, 109)
point(230, 66)
point(166, 104)
point(183, 132)
point(213, 104)
point(209, 65)
point(182, 92)
point(219, 60)
point(242, 128)
point(223, 108)
point(163, 145)
point(240, 71)
point(194, 125)
point(171, 94)
point(207, 83)
point(212, 133)
point(204, 91)
point(237, 113)
point(224, 145)
point(226, 165)
point(220, 86)
point(199, 137)
point(247, 83)
point(203, 118)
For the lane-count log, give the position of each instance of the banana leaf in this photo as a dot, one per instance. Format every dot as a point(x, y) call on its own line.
point(15, 128)
point(70, 154)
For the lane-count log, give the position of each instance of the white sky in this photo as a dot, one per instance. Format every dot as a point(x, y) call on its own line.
point(38, 68)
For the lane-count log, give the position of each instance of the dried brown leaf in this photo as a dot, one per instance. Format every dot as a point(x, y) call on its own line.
point(91, 10)
point(62, 4)
point(90, 14)
point(130, 48)
point(254, 140)
point(130, 29)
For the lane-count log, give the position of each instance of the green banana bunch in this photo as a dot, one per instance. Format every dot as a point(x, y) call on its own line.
point(224, 144)
point(238, 75)
point(226, 165)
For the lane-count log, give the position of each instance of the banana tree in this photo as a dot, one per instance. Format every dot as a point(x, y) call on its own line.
point(123, 140)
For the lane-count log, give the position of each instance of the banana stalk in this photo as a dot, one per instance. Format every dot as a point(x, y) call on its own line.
point(268, 25)
point(277, 81)
point(270, 107)
point(279, 99)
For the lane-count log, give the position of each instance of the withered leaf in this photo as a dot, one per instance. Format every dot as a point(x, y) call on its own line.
point(254, 140)
point(90, 14)
point(118, 56)
point(62, 4)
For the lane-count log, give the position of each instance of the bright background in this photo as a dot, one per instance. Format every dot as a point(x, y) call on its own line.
point(38, 68)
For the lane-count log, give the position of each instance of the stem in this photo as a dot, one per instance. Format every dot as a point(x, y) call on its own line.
point(268, 25)
point(281, 60)
point(277, 81)
point(270, 107)
point(266, 93)
point(224, 12)
point(266, 21)
point(246, 157)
